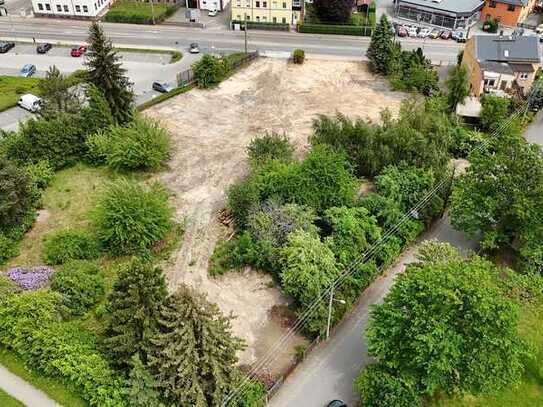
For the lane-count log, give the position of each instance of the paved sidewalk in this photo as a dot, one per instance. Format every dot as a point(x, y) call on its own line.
point(23, 391)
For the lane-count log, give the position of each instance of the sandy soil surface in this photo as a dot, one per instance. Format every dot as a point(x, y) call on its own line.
point(211, 130)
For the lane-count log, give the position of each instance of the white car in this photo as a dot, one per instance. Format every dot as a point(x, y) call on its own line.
point(212, 13)
point(539, 29)
point(412, 31)
point(425, 32)
point(30, 102)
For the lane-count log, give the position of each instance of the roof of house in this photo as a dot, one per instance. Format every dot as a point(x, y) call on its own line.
point(498, 67)
point(507, 49)
point(523, 3)
point(451, 6)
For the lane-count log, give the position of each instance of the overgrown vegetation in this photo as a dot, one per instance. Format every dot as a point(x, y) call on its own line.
point(138, 13)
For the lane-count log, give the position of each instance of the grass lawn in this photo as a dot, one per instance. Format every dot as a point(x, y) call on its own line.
point(12, 87)
point(7, 401)
point(54, 388)
point(138, 13)
point(530, 390)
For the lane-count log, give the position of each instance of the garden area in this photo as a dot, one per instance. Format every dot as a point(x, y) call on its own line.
point(139, 12)
point(332, 17)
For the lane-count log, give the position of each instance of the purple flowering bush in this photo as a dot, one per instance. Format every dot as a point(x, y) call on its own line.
point(30, 278)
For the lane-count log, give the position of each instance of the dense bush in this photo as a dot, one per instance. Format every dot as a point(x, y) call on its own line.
point(141, 144)
point(8, 247)
point(233, 254)
point(130, 218)
point(7, 287)
point(269, 147)
point(243, 196)
point(70, 244)
point(59, 140)
point(298, 56)
point(40, 174)
point(334, 29)
point(15, 194)
point(494, 111)
point(262, 25)
point(210, 70)
point(378, 387)
point(81, 285)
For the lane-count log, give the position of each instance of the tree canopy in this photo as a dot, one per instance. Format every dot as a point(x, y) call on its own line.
point(334, 11)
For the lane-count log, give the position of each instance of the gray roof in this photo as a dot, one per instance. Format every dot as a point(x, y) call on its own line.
point(450, 6)
point(524, 48)
point(515, 2)
point(499, 67)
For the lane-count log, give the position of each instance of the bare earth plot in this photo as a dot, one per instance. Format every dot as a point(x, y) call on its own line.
point(211, 130)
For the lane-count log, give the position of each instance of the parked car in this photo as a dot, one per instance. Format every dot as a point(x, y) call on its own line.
point(194, 49)
point(412, 31)
point(6, 46)
point(43, 48)
point(435, 33)
point(212, 13)
point(28, 70)
point(402, 31)
point(424, 32)
point(336, 403)
point(459, 36)
point(77, 52)
point(162, 87)
point(539, 29)
point(445, 35)
point(540, 37)
point(30, 102)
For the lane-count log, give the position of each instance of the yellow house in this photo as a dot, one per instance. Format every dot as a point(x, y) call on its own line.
point(267, 11)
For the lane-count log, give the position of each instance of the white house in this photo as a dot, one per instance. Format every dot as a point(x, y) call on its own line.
point(70, 8)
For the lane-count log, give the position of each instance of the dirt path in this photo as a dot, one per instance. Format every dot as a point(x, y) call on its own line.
point(211, 130)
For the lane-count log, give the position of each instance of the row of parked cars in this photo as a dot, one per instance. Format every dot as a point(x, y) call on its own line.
point(404, 30)
point(43, 48)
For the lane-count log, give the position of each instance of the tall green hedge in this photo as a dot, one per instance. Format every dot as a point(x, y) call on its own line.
point(262, 25)
point(335, 29)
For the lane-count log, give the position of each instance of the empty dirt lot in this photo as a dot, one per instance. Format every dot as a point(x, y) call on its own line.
point(211, 129)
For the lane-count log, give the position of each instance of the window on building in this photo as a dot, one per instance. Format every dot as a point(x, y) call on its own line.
point(275, 19)
point(265, 4)
point(246, 17)
point(257, 19)
point(59, 9)
point(257, 4)
point(78, 8)
point(524, 76)
point(492, 4)
point(239, 17)
point(284, 5)
point(48, 7)
point(490, 83)
point(85, 9)
point(66, 8)
point(284, 20)
point(95, 6)
point(40, 6)
point(274, 4)
point(510, 7)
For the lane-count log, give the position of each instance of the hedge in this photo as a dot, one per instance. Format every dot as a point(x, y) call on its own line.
point(335, 29)
point(263, 25)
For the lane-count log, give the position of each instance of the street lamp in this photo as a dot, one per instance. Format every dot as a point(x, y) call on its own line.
point(330, 311)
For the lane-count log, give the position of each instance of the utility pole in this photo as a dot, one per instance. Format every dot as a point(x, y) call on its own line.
point(246, 28)
point(153, 11)
point(330, 311)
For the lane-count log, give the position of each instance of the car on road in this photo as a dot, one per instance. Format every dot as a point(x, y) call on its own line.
point(43, 48)
point(445, 35)
point(162, 87)
point(213, 13)
point(435, 33)
point(424, 32)
point(6, 46)
point(30, 102)
point(194, 49)
point(412, 31)
point(336, 403)
point(459, 36)
point(28, 70)
point(539, 29)
point(402, 31)
point(77, 52)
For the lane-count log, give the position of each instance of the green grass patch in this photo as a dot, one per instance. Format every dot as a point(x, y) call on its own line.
point(138, 13)
point(56, 389)
point(530, 391)
point(12, 87)
point(7, 401)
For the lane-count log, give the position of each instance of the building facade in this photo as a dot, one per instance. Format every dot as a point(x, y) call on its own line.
point(508, 12)
point(267, 11)
point(70, 8)
point(451, 14)
point(501, 64)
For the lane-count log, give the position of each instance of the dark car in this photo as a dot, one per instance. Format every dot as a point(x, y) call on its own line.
point(43, 48)
point(77, 52)
point(162, 87)
point(194, 49)
point(28, 70)
point(336, 403)
point(6, 46)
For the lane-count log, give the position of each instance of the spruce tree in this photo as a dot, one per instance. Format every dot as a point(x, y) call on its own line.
point(381, 49)
point(194, 352)
point(97, 115)
point(135, 302)
point(104, 71)
point(57, 94)
point(141, 388)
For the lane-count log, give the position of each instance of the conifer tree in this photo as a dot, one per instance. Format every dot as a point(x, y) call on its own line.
point(105, 71)
point(193, 355)
point(97, 115)
point(381, 49)
point(141, 389)
point(137, 296)
point(57, 94)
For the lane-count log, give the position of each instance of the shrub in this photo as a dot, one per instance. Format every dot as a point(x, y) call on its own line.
point(242, 197)
point(15, 194)
point(378, 387)
point(335, 29)
point(40, 175)
point(494, 111)
point(141, 144)
point(70, 244)
point(232, 254)
point(81, 285)
point(30, 278)
point(129, 218)
point(298, 56)
point(8, 248)
point(269, 147)
point(253, 394)
point(209, 70)
point(7, 287)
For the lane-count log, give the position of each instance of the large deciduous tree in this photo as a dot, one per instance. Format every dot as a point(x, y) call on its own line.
point(334, 11)
point(381, 50)
point(457, 86)
point(105, 72)
point(194, 352)
point(448, 326)
point(134, 303)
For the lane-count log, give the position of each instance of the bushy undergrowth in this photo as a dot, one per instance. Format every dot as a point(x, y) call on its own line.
point(70, 244)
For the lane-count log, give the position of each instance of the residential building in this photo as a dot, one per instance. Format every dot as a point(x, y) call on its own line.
point(267, 11)
point(70, 8)
point(501, 64)
point(451, 14)
point(508, 12)
point(211, 5)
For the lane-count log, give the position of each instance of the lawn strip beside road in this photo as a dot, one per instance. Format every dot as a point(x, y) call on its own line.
point(7, 401)
point(12, 87)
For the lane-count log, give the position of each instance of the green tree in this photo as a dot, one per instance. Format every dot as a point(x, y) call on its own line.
point(449, 327)
point(334, 11)
point(106, 73)
point(193, 355)
point(270, 146)
point(141, 389)
point(134, 304)
point(381, 48)
point(15, 193)
point(58, 94)
point(535, 98)
point(457, 86)
point(209, 70)
point(501, 194)
point(97, 115)
point(494, 111)
point(309, 267)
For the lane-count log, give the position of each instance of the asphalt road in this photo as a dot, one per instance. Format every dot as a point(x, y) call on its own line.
point(534, 133)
